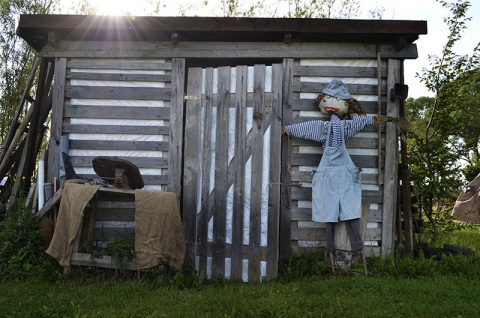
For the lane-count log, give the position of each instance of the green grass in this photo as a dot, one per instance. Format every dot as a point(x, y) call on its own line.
point(317, 296)
point(468, 237)
point(397, 286)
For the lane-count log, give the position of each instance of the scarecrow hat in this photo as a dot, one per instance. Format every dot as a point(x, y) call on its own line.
point(337, 88)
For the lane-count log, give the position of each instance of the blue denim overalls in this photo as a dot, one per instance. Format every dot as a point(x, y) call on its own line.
point(336, 185)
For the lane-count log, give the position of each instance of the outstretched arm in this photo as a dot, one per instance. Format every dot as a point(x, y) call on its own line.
point(313, 130)
point(356, 124)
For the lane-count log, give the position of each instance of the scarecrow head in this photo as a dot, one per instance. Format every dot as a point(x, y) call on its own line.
point(335, 99)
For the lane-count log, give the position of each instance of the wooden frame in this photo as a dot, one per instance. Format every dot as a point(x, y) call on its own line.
point(133, 70)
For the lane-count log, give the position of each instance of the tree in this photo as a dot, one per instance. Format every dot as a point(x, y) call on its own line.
point(284, 8)
point(16, 57)
point(435, 139)
point(434, 166)
point(462, 97)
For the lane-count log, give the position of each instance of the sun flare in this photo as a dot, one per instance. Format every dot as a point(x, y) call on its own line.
point(116, 7)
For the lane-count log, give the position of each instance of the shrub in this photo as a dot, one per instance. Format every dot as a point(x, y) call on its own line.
point(22, 249)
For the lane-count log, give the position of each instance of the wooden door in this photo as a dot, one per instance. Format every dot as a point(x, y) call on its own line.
point(232, 164)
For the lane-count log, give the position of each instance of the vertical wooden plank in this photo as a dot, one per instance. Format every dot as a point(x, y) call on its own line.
point(405, 189)
point(207, 103)
point(26, 165)
point(176, 126)
point(239, 173)
point(274, 172)
point(286, 178)
point(257, 168)
point(191, 165)
point(379, 113)
point(58, 103)
point(391, 164)
point(91, 219)
point(221, 173)
point(342, 241)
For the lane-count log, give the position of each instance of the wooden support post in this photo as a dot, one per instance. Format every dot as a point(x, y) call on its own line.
point(191, 178)
point(57, 119)
point(175, 150)
point(343, 257)
point(13, 144)
point(286, 178)
point(391, 164)
point(274, 198)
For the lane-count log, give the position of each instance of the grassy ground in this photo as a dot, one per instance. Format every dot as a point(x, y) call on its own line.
point(358, 296)
point(396, 287)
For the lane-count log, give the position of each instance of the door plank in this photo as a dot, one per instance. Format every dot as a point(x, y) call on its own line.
point(257, 167)
point(239, 172)
point(191, 164)
point(221, 173)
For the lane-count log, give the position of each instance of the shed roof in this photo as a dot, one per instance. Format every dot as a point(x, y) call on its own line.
point(36, 29)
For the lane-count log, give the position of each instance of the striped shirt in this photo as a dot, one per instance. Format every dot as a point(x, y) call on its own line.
point(317, 129)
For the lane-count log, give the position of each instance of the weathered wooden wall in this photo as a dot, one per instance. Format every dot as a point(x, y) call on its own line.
point(132, 101)
point(115, 107)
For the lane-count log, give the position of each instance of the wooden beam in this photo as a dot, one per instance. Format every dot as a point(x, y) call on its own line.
point(117, 112)
point(286, 177)
point(57, 119)
point(175, 152)
point(50, 204)
point(105, 261)
point(207, 206)
point(191, 169)
point(274, 188)
point(25, 96)
point(92, 49)
point(391, 165)
point(257, 163)
point(221, 173)
point(13, 143)
point(239, 183)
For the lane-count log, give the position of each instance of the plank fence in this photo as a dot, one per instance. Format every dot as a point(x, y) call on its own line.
point(232, 169)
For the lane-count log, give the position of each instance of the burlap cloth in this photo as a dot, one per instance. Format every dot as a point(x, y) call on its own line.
point(158, 227)
point(158, 230)
point(75, 197)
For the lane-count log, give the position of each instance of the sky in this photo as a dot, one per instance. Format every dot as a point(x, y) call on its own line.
point(427, 10)
point(433, 42)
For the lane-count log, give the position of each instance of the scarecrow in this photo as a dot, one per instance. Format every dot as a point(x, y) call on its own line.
point(336, 185)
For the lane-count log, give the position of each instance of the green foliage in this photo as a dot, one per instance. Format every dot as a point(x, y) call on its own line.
point(22, 255)
point(187, 279)
point(122, 251)
point(342, 9)
point(397, 265)
point(447, 223)
point(307, 263)
point(433, 162)
point(449, 295)
point(439, 145)
point(323, 9)
point(467, 236)
point(461, 99)
point(16, 57)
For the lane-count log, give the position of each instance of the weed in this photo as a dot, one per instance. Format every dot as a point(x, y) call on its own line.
point(122, 251)
point(398, 265)
point(22, 248)
point(308, 262)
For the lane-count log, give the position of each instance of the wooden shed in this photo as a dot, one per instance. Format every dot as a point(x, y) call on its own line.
point(197, 103)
